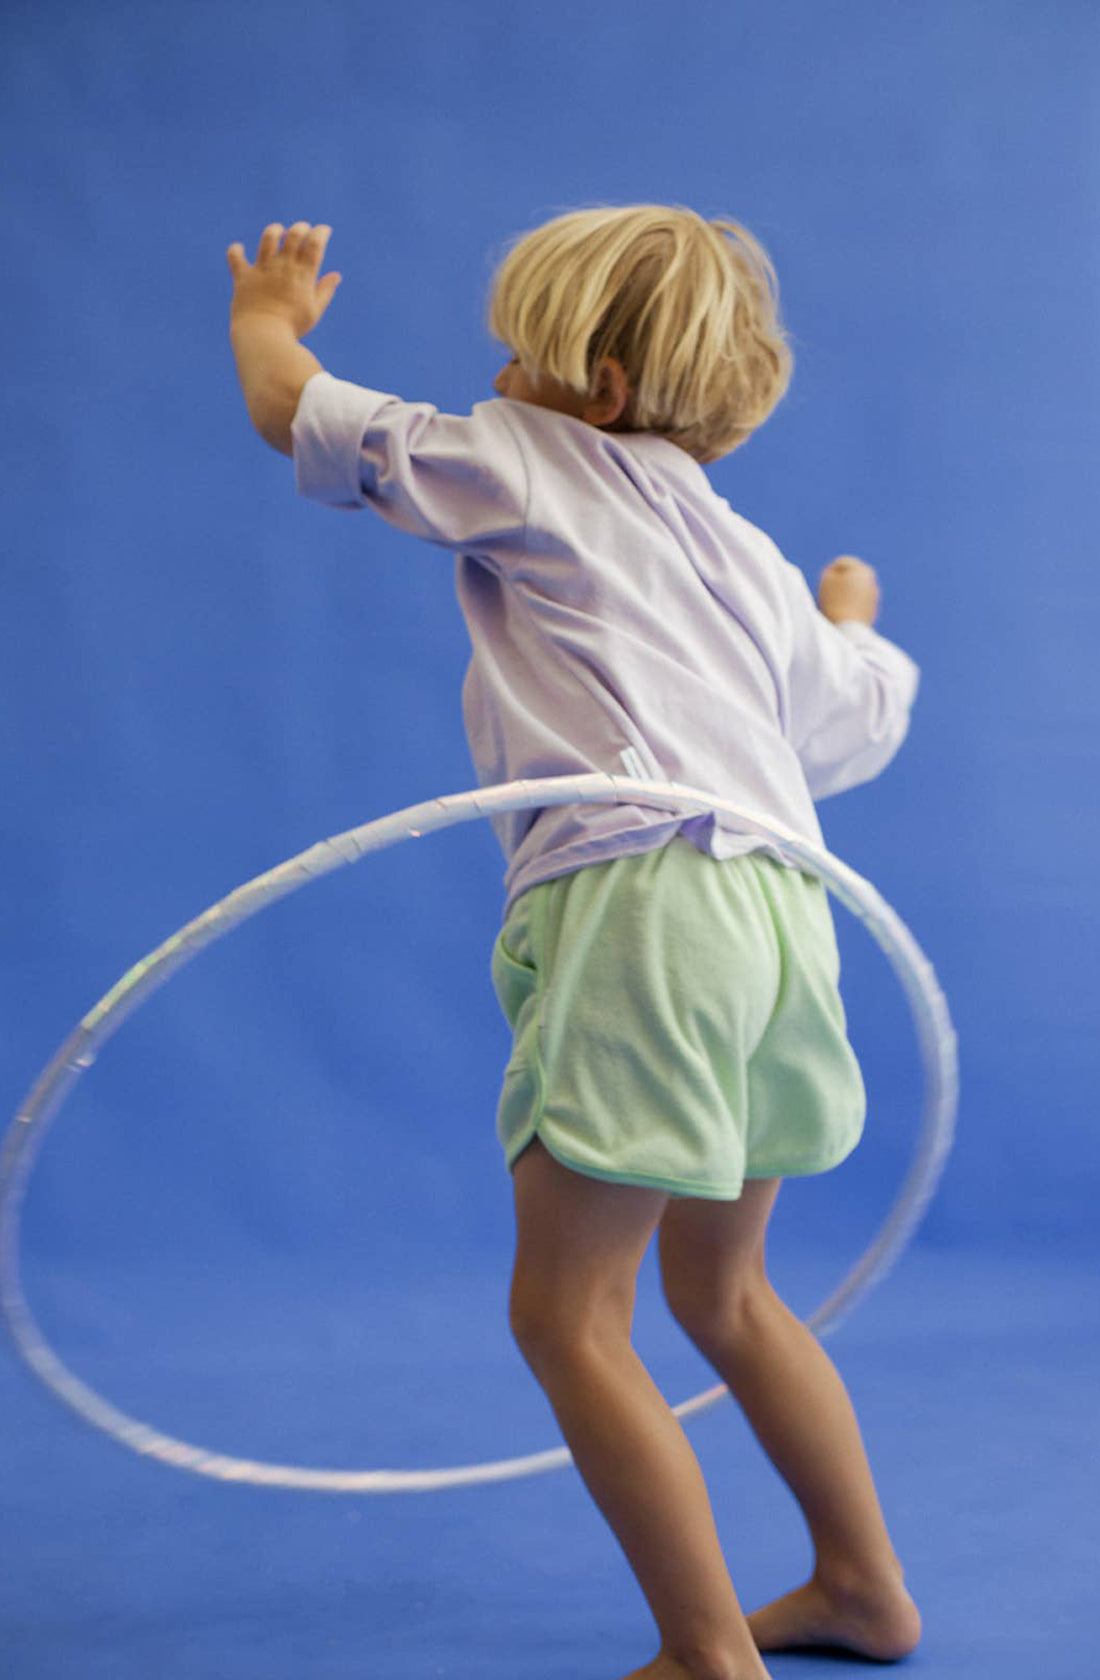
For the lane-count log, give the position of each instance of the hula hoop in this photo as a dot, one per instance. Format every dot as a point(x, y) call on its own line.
point(929, 1008)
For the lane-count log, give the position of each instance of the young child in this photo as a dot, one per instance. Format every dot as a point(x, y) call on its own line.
point(680, 1042)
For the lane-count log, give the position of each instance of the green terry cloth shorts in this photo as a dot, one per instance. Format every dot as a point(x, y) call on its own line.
point(677, 1023)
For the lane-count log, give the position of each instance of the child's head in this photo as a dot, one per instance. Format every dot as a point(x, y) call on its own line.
point(689, 314)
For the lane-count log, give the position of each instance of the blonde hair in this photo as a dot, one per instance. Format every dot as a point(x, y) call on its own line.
point(688, 307)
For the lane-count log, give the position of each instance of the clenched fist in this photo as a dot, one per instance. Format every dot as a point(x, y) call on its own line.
point(849, 589)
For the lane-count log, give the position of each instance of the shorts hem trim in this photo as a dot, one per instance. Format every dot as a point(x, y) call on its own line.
point(808, 1166)
point(642, 1181)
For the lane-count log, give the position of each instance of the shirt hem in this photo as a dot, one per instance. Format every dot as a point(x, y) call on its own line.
point(608, 847)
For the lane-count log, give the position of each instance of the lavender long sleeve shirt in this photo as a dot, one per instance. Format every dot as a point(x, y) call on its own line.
point(622, 618)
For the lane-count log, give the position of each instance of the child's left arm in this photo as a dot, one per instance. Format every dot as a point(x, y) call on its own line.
point(276, 301)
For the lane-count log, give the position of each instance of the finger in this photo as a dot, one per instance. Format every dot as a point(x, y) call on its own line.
point(269, 240)
point(295, 238)
point(313, 247)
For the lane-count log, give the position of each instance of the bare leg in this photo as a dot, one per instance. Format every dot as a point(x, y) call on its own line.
point(579, 1243)
point(642, 1473)
point(800, 1411)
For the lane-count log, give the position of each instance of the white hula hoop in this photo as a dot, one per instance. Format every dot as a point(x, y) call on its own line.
point(929, 1008)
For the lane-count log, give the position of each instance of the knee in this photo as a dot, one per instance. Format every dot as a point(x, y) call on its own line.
point(550, 1330)
point(718, 1311)
point(547, 1342)
point(527, 1322)
point(537, 1321)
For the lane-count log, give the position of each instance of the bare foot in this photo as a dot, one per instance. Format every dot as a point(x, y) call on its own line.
point(885, 1625)
point(664, 1667)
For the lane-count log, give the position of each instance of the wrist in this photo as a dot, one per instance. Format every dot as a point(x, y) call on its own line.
point(247, 323)
point(273, 368)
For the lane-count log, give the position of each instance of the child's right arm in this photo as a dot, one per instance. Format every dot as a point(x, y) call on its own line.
point(850, 689)
point(848, 591)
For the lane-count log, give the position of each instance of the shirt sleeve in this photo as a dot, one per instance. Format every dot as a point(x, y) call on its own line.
point(851, 692)
point(456, 480)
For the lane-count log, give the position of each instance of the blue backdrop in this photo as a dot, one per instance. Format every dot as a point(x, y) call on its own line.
point(276, 1206)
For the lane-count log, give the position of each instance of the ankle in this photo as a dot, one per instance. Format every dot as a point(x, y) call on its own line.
point(711, 1665)
point(859, 1584)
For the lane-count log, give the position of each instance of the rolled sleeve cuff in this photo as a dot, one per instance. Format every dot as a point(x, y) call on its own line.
point(326, 436)
point(899, 662)
point(857, 631)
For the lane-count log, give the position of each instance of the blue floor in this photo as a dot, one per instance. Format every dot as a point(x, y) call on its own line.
point(975, 1380)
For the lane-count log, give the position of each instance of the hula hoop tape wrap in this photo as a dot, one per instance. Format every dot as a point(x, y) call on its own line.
point(929, 1008)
